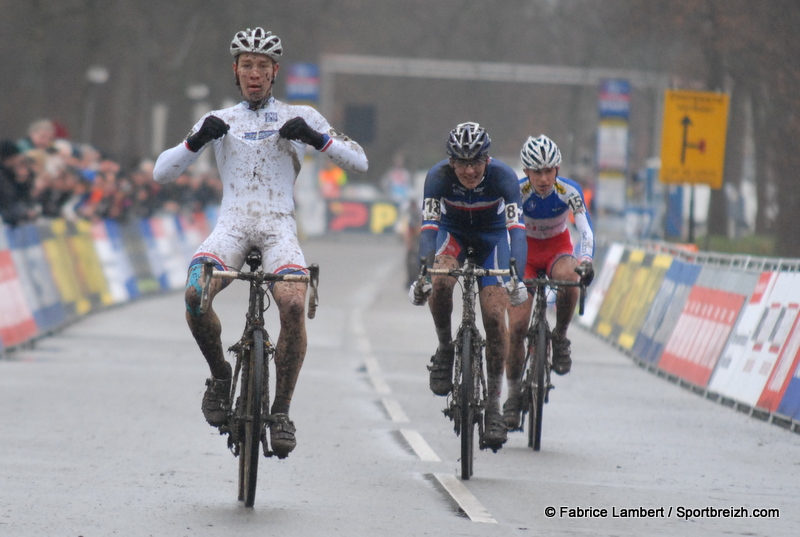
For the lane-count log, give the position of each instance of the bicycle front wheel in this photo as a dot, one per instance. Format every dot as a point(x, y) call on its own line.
point(251, 395)
point(538, 380)
point(466, 405)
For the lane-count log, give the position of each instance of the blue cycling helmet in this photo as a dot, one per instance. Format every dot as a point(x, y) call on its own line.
point(468, 141)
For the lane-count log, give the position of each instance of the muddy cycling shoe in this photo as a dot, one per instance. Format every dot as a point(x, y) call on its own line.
point(441, 368)
point(215, 401)
point(495, 432)
point(281, 435)
point(562, 361)
point(512, 411)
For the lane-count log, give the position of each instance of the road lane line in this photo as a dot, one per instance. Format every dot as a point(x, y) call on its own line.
point(466, 501)
point(419, 445)
point(380, 385)
point(395, 410)
point(451, 484)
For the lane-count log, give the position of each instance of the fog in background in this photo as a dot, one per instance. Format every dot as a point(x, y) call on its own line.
point(149, 53)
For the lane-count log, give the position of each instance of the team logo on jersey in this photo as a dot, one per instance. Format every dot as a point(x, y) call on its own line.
point(526, 187)
point(271, 117)
point(560, 188)
point(260, 135)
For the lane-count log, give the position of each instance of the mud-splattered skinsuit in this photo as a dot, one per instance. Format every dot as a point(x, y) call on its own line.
point(258, 170)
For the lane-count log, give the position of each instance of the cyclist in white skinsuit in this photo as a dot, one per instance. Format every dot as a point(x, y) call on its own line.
point(259, 146)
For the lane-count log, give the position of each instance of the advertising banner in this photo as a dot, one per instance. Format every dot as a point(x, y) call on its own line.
point(735, 356)
point(36, 278)
point(376, 217)
point(786, 364)
point(194, 229)
point(116, 265)
point(790, 402)
point(612, 144)
point(599, 288)
point(636, 282)
point(302, 83)
point(701, 333)
point(63, 268)
point(665, 311)
point(89, 269)
point(763, 342)
point(16, 318)
point(135, 246)
point(170, 250)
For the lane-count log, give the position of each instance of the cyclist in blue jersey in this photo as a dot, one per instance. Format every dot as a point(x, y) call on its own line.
point(471, 200)
point(547, 201)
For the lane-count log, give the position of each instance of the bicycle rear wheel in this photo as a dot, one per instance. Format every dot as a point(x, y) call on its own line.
point(466, 407)
point(251, 416)
point(538, 380)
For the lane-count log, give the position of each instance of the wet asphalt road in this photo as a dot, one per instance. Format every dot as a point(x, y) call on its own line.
point(103, 435)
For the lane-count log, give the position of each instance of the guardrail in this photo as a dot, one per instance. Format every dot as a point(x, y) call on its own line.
point(56, 271)
point(723, 326)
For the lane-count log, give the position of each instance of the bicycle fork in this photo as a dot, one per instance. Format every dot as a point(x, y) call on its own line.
point(479, 380)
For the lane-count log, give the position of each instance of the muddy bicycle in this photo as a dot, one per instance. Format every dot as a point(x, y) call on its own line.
point(536, 384)
point(467, 400)
point(249, 400)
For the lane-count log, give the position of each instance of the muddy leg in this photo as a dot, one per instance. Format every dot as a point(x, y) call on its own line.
point(290, 349)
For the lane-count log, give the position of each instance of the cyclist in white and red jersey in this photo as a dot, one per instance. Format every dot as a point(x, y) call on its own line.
point(472, 200)
point(259, 146)
point(547, 201)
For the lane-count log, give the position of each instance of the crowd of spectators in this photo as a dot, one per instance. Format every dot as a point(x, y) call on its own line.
point(46, 175)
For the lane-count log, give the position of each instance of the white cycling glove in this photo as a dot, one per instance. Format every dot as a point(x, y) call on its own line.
point(518, 293)
point(419, 294)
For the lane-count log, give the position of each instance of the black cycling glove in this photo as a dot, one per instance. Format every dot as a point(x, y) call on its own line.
point(212, 128)
point(586, 270)
point(298, 129)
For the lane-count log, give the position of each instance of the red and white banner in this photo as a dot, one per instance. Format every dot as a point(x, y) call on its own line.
point(701, 333)
point(16, 318)
point(761, 355)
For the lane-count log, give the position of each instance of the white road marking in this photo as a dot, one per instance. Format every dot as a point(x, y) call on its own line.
point(395, 410)
point(419, 445)
point(450, 483)
point(466, 501)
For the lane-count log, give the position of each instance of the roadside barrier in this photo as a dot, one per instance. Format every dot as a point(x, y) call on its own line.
point(726, 327)
point(56, 271)
point(723, 326)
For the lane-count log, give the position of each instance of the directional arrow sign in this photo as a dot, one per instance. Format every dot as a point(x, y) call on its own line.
point(693, 137)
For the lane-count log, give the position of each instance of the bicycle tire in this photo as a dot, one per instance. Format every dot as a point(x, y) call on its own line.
point(538, 387)
point(249, 450)
point(466, 407)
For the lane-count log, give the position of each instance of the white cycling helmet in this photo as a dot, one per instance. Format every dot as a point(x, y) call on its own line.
point(468, 141)
point(541, 152)
point(258, 41)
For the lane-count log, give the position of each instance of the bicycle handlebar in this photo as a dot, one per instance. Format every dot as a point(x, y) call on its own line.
point(468, 267)
point(460, 271)
point(547, 282)
point(260, 277)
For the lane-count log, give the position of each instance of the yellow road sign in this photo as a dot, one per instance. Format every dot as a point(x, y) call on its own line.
point(693, 137)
